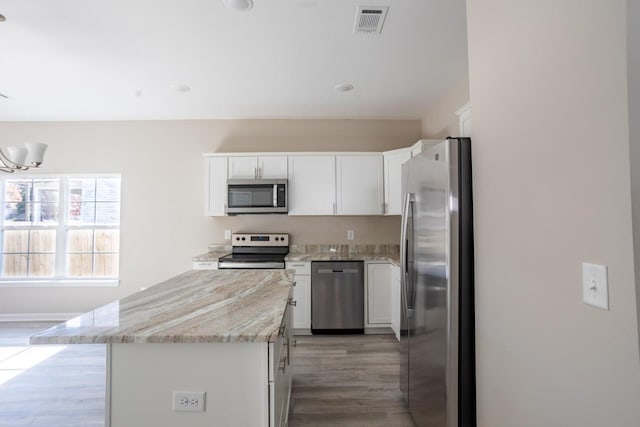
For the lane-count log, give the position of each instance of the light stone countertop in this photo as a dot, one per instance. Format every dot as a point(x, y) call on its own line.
point(199, 306)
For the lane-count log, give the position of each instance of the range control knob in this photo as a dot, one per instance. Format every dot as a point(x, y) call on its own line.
point(237, 238)
point(243, 239)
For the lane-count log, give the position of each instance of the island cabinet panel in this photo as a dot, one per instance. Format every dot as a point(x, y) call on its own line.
point(143, 378)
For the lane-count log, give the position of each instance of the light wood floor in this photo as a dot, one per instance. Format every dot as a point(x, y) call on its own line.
point(347, 381)
point(338, 381)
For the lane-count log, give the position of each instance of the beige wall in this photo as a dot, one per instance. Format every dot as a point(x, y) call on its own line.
point(441, 120)
point(551, 190)
point(163, 223)
point(633, 74)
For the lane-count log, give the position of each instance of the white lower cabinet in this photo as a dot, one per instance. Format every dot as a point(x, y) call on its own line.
point(395, 301)
point(245, 383)
point(301, 296)
point(378, 295)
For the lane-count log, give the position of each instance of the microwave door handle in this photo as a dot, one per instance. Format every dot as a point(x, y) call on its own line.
point(275, 195)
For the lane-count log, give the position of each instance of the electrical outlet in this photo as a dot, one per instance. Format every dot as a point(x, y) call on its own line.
point(227, 234)
point(350, 235)
point(188, 401)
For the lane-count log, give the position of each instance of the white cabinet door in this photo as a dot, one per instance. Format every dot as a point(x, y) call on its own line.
point(242, 167)
point(312, 185)
point(359, 189)
point(216, 186)
point(395, 300)
point(272, 167)
point(393, 161)
point(379, 294)
point(258, 167)
point(302, 296)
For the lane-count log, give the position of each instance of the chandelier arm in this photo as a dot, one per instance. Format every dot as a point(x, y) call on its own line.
point(7, 163)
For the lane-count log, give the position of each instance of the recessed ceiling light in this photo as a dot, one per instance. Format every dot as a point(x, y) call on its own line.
point(2, 18)
point(239, 4)
point(180, 88)
point(344, 87)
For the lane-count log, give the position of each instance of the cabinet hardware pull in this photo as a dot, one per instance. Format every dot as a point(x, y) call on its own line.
point(295, 343)
point(281, 330)
point(294, 283)
point(293, 303)
point(284, 365)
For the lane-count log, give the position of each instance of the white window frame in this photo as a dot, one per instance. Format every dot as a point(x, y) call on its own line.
point(61, 237)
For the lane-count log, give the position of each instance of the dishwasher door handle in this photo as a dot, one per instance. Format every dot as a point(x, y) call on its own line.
point(332, 271)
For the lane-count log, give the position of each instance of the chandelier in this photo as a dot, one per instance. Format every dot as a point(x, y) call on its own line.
point(17, 158)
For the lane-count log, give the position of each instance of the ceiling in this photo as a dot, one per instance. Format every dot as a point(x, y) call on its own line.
point(122, 59)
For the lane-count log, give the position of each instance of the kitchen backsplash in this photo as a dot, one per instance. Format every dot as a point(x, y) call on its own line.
point(382, 250)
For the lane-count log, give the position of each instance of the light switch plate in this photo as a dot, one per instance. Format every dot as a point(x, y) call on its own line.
point(227, 234)
point(350, 235)
point(595, 289)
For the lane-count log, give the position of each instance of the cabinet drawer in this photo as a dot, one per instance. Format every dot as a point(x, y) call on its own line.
point(301, 268)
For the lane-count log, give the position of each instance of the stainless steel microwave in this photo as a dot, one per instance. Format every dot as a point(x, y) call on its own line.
point(262, 196)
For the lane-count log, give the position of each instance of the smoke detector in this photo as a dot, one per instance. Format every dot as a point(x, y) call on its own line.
point(369, 19)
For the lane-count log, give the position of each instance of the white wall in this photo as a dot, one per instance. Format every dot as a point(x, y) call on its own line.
point(548, 87)
point(633, 75)
point(163, 223)
point(441, 121)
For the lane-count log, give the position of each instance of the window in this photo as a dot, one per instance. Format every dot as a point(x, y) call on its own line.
point(60, 228)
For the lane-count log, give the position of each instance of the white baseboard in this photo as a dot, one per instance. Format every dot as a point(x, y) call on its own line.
point(37, 317)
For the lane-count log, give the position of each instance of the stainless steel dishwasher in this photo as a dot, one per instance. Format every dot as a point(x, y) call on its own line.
point(337, 297)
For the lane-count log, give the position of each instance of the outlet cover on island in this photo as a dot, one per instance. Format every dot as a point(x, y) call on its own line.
point(227, 234)
point(595, 289)
point(188, 401)
point(350, 235)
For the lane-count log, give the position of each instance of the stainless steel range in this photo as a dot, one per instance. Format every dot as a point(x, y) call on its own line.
point(249, 251)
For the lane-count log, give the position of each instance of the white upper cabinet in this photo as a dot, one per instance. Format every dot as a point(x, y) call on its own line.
point(272, 167)
point(216, 186)
point(464, 118)
point(257, 167)
point(359, 189)
point(312, 185)
point(393, 161)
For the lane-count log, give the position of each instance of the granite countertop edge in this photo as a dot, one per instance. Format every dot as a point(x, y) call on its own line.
point(198, 306)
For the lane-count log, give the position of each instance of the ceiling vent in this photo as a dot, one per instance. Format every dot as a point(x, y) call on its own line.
point(369, 20)
point(2, 95)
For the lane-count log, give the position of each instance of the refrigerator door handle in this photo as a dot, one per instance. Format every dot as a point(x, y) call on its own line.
point(404, 249)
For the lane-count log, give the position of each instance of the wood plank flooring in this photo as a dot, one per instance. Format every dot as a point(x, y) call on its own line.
point(64, 390)
point(338, 381)
point(347, 381)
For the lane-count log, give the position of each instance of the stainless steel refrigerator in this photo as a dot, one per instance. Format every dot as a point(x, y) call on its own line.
point(437, 373)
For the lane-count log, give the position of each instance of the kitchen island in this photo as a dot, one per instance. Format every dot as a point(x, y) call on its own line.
point(224, 333)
